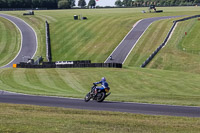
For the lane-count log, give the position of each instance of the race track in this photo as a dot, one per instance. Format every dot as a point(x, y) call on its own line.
point(28, 42)
point(151, 109)
point(29, 46)
point(122, 51)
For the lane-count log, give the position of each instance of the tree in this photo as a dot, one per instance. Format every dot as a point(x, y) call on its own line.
point(3, 4)
point(118, 3)
point(35, 3)
point(127, 3)
point(81, 3)
point(64, 4)
point(92, 3)
point(197, 1)
point(72, 3)
point(27, 3)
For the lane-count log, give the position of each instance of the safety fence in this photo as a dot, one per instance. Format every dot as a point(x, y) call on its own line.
point(48, 43)
point(76, 64)
point(166, 39)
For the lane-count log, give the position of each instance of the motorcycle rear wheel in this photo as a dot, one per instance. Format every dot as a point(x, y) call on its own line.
point(101, 96)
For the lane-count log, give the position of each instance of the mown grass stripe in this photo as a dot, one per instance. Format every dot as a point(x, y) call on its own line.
point(93, 28)
point(10, 41)
point(141, 85)
point(178, 55)
point(3, 36)
point(152, 38)
point(60, 85)
point(51, 119)
point(46, 81)
point(78, 46)
point(130, 84)
point(11, 81)
point(33, 80)
point(75, 42)
point(68, 34)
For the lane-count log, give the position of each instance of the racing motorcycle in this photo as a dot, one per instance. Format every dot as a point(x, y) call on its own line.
point(99, 96)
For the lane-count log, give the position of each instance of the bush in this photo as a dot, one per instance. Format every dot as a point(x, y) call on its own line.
point(64, 4)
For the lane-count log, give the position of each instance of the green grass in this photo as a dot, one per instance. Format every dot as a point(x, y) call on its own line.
point(149, 42)
point(10, 41)
point(128, 84)
point(31, 119)
point(95, 38)
point(182, 53)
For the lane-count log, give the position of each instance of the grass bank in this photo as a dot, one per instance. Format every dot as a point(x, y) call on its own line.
point(127, 84)
point(10, 41)
point(182, 52)
point(24, 118)
point(95, 38)
point(149, 42)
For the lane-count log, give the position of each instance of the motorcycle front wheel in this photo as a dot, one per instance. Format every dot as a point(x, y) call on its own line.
point(87, 97)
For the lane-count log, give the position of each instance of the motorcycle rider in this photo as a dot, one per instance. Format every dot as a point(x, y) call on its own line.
point(103, 83)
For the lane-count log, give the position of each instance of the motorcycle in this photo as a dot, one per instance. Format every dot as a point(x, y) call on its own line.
point(99, 96)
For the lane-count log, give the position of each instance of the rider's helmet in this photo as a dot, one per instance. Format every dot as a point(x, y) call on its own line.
point(103, 79)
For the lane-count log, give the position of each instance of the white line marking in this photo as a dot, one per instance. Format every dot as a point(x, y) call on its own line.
point(20, 45)
point(135, 44)
point(123, 39)
point(21, 37)
point(170, 35)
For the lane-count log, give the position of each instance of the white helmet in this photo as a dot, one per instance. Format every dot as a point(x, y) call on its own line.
point(103, 79)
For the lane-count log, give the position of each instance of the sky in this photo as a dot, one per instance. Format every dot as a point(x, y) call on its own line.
point(101, 2)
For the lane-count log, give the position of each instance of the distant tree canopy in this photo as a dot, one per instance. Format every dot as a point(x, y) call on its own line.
point(143, 3)
point(118, 3)
point(54, 4)
point(92, 3)
point(81, 3)
point(50, 4)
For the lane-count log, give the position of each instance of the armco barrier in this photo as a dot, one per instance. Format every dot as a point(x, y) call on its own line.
point(113, 65)
point(76, 65)
point(48, 43)
point(165, 41)
point(74, 62)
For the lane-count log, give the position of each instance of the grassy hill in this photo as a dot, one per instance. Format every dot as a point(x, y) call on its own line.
point(170, 82)
point(10, 41)
point(127, 84)
point(95, 39)
point(149, 42)
point(182, 53)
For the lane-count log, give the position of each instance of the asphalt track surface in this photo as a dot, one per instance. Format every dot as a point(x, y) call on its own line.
point(28, 40)
point(122, 51)
point(151, 109)
point(28, 48)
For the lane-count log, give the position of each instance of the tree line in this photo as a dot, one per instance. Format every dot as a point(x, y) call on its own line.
point(144, 3)
point(49, 4)
point(66, 4)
